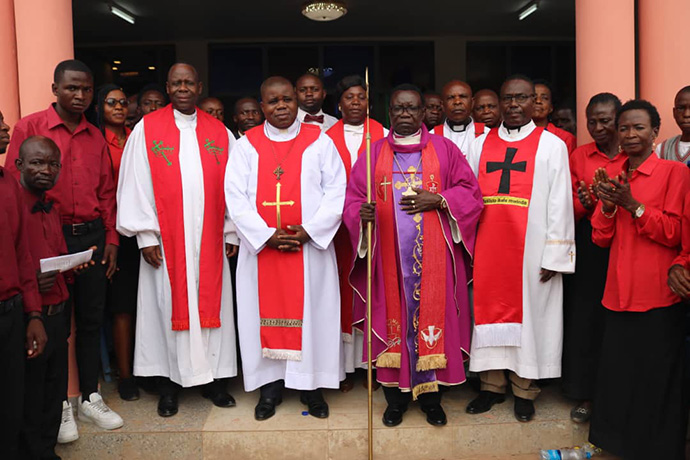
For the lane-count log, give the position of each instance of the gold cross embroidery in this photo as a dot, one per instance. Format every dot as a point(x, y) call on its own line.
point(571, 254)
point(385, 185)
point(277, 203)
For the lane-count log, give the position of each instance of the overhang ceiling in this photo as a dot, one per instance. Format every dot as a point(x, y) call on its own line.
point(256, 20)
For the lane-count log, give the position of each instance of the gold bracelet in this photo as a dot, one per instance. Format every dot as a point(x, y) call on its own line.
point(609, 216)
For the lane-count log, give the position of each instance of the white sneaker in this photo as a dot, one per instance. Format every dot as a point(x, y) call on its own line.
point(68, 427)
point(95, 411)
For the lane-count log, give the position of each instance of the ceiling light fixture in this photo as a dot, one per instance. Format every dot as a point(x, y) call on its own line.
point(117, 62)
point(114, 68)
point(324, 11)
point(152, 67)
point(527, 10)
point(122, 13)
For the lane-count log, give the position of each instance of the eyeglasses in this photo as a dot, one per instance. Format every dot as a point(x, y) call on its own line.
point(519, 98)
point(112, 102)
point(399, 109)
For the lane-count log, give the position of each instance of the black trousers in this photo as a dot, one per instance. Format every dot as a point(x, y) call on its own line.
point(89, 294)
point(274, 390)
point(12, 353)
point(46, 387)
point(397, 398)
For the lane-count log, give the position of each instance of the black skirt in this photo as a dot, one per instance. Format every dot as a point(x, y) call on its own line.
point(122, 290)
point(638, 407)
point(583, 315)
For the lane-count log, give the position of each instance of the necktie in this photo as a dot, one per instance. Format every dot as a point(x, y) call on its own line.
point(317, 118)
point(41, 205)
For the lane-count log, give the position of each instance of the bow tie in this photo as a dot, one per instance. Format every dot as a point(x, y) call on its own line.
point(317, 118)
point(41, 205)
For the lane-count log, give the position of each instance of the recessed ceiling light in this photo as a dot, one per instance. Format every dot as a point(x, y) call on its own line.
point(527, 10)
point(152, 67)
point(122, 13)
point(114, 68)
point(117, 62)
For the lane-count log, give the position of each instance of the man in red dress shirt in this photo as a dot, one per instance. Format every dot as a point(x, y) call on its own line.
point(46, 376)
point(17, 288)
point(85, 198)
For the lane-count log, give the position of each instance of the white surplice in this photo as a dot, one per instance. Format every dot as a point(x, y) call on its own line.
point(463, 139)
point(322, 198)
point(352, 347)
point(328, 120)
point(549, 244)
point(198, 355)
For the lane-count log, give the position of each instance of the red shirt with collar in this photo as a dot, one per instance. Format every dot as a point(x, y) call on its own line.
point(643, 249)
point(565, 136)
point(583, 162)
point(85, 190)
point(116, 150)
point(17, 275)
point(46, 240)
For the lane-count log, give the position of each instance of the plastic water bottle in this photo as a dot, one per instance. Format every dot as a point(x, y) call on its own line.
point(565, 454)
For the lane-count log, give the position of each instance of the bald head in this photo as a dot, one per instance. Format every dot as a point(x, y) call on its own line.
point(214, 107)
point(272, 82)
point(38, 163)
point(279, 102)
point(457, 101)
point(485, 108)
point(183, 87)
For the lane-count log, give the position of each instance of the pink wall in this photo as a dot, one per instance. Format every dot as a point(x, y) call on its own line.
point(9, 95)
point(605, 50)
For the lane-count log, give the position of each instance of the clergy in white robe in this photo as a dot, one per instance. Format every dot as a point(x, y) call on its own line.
point(284, 342)
point(459, 126)
point(525, 241)
point(310, 96)
point(185, 330)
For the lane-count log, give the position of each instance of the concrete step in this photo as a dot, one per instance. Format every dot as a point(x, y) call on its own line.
point(202, 431)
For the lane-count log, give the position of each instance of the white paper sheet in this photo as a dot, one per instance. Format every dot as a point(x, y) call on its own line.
point(66, 262)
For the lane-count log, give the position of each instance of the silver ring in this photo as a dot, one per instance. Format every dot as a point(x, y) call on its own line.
point(412, 202)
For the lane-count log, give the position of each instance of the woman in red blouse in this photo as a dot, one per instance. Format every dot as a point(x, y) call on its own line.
point(638, 402)
point(112, 109)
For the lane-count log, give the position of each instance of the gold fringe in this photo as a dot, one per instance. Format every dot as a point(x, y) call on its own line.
point(430, 362)
point(428, 387)
point(388, 359)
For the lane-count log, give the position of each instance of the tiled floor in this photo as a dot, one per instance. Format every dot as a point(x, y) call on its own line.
point(202, 431)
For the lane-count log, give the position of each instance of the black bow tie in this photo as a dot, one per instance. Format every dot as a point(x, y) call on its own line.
point(41, 205)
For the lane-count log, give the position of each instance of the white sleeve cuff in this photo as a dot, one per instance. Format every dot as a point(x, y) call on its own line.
point(147, 239)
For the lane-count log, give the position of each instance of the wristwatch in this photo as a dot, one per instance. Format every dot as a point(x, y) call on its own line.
point(638, 212)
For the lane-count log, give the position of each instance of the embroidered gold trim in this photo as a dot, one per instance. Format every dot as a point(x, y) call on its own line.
point(429, 362)
point(428, 387)
point(389, 359)
point(560, 242)
point(280, 322)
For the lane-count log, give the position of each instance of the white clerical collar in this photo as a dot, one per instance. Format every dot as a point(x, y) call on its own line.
point(280, 135)
point(357, 129)
point(182, 116)
point(460, 128)
point(415, 138)
point(516, 133)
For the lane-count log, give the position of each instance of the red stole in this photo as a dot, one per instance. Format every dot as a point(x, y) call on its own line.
point(478, 129)
point(343, 248)
point(281, 274)
point(163, 144)
point(506, 174)
point(432, 306)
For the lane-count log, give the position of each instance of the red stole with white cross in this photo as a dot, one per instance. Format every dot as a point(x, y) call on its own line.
point(506, 174)
point(432, 305)
point(281, 274)
point(343, 248)
point(162, 139)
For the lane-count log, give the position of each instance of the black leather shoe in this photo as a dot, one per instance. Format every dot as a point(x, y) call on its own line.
point(393, 415)
point(435, 415)
point(218, 396)
point(484, 402)
point(317, 405)
point(128, 389)
point(266, 408)
point(167, 405)
point(524, 409)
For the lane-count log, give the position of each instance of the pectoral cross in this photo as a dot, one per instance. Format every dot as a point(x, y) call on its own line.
point(413, 182)
point(277, 203)
point(506, 167)
point(278, 172)
point(571, 254)
point(385, 187)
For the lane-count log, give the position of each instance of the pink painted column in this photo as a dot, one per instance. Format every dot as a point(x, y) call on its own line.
point(664, 51)
point(9, 96)
point(44, 38)
point(605, 53)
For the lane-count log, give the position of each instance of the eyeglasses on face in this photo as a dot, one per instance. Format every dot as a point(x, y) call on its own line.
point(519, 98)
point(411, 109)
point(112, 102)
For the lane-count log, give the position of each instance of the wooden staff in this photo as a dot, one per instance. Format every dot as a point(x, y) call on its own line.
point(369, 273)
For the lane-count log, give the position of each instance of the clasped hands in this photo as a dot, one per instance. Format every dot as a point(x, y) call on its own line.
point(289, 242)
point(611, 192)
point(423, 201)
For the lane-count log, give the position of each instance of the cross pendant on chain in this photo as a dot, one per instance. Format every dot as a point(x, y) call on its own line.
point(278, 172)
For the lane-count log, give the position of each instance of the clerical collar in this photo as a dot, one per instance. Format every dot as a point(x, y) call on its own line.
point(459, 127)
point(277, 134)
point(520, 132)
point(353, 128)
point(415, 138)
point(183, 116)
